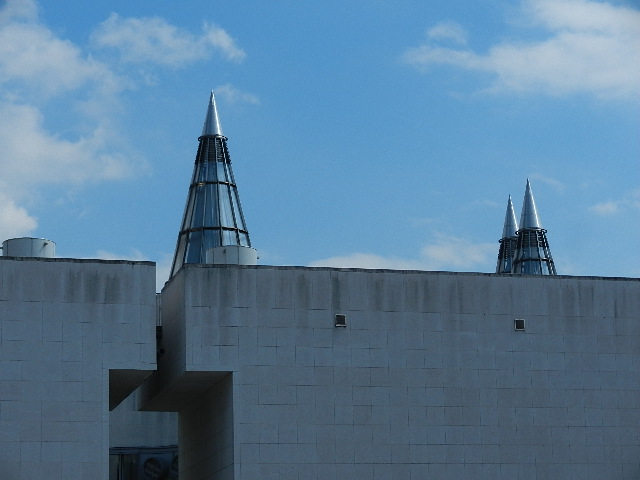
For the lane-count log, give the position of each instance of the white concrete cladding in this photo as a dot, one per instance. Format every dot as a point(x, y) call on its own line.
point(232, 255)
point(429, 378)
point(29, 247)
point(76, 337)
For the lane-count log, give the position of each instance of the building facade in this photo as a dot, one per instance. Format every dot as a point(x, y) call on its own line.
point(76, 338)
point(433, 375)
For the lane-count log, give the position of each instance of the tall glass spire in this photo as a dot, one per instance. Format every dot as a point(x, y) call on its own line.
point(508, 240)
point(532, 255)
point(213, 215)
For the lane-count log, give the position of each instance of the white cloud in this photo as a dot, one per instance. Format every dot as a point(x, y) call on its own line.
point(34, 62)
point(446, 252)
point(33, 156)
point(552, 182)
point(37, 69)
point(631, 200)
point(450, 252)
point(18, 9)
point(42, 143)
point(220, 39)
point(233, 95)
point(592, 47)
point(448, 31)
point(153, 40)
point(604, 208)
point(583, 15)
point(15, 221)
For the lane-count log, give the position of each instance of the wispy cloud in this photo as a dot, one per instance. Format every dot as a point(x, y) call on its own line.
point(153, 40)
point(591, 47)
point(605, 208)
point(631, 200)
point(554, 183)
point(444, 252)
point(32, 155)
point(232, 95)
point(450, 252)
point(450, 31)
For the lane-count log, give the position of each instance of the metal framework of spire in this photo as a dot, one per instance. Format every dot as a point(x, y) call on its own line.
point(532, 255)
point(508, 241)
point(212, 216)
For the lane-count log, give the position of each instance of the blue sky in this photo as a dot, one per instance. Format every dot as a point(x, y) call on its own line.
point(375, 134)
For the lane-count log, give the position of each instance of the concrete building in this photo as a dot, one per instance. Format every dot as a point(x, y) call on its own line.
point(76, 338)
point(242, 371)
point(433, 375)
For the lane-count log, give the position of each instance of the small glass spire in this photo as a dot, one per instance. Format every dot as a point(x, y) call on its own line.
point(508, 240)
point(213, 215)
point(532, 255)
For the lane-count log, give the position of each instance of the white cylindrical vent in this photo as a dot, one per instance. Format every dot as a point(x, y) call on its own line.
point(29, 247)
point(232, 255)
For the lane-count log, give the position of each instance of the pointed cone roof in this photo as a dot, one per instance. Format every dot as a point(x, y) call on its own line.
point(211, 127)
point(529, 216)
point(508, 240)
point(532, 255)
point(213, 215)
point(510, 223)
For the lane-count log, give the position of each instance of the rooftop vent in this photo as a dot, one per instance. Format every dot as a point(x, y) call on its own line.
point(29, 247)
